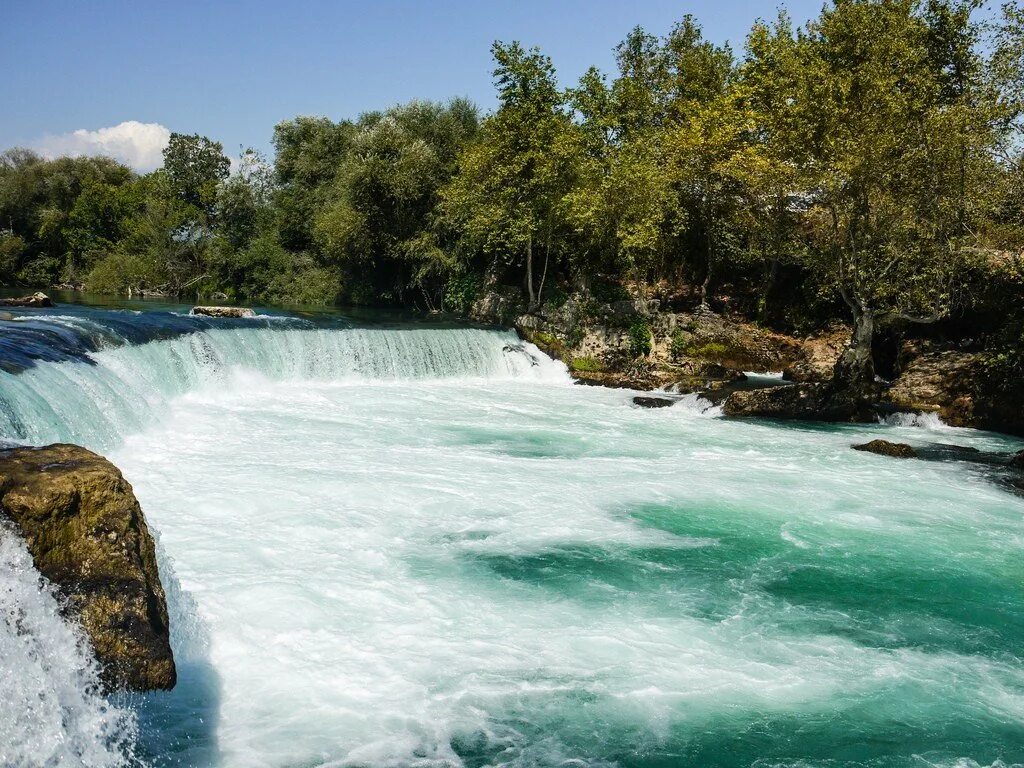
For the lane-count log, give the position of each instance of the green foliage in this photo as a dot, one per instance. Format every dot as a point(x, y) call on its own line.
point(586, 365)
point(460, 293)
point(121, 273)
point(640, 338)
point(861, 164)
point(710, 350)
point(679, 344)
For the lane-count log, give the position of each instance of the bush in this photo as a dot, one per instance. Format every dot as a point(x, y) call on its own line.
point(712, 350)
point(118, 273)
point(460, 293)
point(640, 338)
point(679, 344)
point(608, 292)
point(586, 365)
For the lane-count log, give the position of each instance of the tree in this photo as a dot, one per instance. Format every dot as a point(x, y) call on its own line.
point(195, 165)
point(863, 113)
point(507, 200)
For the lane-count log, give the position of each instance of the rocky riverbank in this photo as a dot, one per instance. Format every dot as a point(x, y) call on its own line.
point(88, 536)
point(637, 344)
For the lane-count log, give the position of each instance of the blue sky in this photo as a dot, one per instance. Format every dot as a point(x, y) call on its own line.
point(231, 70)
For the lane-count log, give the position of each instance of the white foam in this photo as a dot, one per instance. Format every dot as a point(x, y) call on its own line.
point(50, 710)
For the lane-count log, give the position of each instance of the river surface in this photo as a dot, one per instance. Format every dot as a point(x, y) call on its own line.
point(422, 545)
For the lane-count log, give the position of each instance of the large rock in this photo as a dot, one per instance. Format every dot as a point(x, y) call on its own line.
point(938, 381)
point(36, 300)
point(820, 354)
point(807, 402)
point(886, 448)
point(88, 536)
point(223, 311)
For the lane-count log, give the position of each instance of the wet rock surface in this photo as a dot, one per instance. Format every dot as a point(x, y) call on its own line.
point(87, 535)
point(886, 448)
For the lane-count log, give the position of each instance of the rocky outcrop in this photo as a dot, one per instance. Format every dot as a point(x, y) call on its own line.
point(937, 381)
point(36, 301)
point(88, 536)
point(634, 343)
point(885, 448)
point(223, 311)
point(820, 353)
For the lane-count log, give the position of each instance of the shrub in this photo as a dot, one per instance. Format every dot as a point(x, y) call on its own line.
point(586, 365)
point(460, 293)
point(119, 272)
point(712, 350)
point(640, 338)
point(679, 344)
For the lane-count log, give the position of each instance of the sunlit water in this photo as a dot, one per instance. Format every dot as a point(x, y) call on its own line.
point(427, 547)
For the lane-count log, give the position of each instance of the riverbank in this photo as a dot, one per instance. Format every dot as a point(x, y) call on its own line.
point(635, 343)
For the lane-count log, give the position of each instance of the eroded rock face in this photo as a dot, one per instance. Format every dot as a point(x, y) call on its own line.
point(36, 300)
point(88, 536)
point(223, 311)
point(886, 448)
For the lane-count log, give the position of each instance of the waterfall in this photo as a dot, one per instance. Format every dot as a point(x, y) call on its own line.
point(51, 712)
point(88, 380)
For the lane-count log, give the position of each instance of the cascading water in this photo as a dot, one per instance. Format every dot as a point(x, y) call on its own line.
point(102, 387)
point(50, 710)
point(419, 547)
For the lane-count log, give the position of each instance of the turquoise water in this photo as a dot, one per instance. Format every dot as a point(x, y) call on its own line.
point(427, 547)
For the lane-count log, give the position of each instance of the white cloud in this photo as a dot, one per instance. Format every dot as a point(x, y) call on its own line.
point(139, 145)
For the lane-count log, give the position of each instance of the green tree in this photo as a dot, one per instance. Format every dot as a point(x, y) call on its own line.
point(863, 112)
point(195, 166)
point(508, 199)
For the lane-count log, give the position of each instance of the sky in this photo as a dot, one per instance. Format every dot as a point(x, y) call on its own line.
point(116, 77)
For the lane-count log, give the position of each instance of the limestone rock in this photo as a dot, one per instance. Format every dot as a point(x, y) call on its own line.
point(937, 381)
point(820, 353)
point(886, 448)
point(88, 536)
point(223, 311)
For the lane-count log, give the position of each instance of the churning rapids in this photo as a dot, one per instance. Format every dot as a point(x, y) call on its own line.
point(423, 546)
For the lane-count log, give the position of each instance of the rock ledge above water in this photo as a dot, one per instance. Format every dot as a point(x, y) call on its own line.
point(86, 533)
point(223, 311)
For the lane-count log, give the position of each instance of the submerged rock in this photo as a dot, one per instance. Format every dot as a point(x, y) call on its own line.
point(87, 535)
point(36, 300)
point(885, 448)
point(1017, 460)
point(223, 311)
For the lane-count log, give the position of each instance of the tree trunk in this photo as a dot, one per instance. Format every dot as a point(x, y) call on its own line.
point(529, 271)
point(855, 368)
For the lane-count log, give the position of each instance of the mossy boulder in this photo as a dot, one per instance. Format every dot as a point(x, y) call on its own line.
point(86, 532)
point(886, 448)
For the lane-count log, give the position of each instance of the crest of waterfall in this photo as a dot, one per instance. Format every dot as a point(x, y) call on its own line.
point(75, 379)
